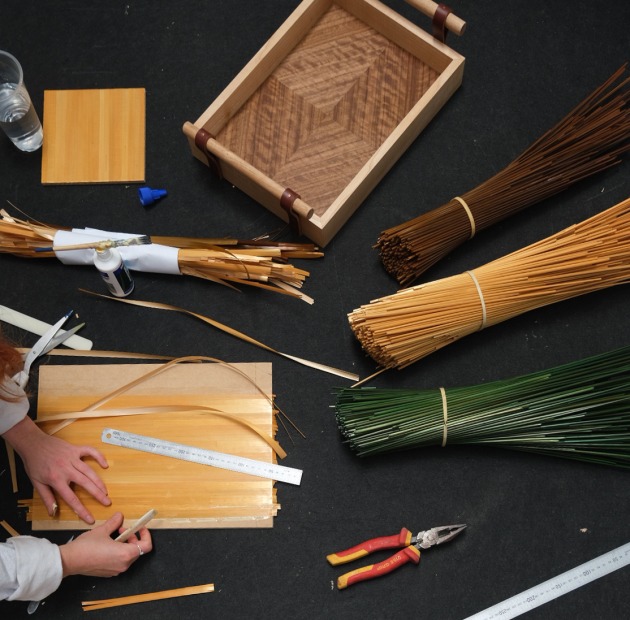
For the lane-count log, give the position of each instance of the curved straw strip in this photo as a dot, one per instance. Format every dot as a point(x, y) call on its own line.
point(588, 140)
point(402, 328)
point(229, 330)
point(90, 410)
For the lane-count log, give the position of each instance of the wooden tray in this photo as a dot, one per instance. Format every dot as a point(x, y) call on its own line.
point(325, 108)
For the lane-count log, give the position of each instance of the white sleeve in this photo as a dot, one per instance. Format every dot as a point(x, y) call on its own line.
point(30, 568)
point(12, 412)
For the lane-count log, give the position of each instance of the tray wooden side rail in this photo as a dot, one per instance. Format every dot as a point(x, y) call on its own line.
point(315, 120)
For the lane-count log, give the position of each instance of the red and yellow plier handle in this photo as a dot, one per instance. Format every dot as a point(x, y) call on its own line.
point(408, 544)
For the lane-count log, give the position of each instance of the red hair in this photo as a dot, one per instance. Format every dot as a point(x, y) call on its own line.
point(10, 363)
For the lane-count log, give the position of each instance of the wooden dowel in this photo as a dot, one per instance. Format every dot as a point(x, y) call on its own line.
point(255, 175)
point(455, 24)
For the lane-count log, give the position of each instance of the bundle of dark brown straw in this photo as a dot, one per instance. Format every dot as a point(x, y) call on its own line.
point(404, 327)
point(579, 410)
point(588, 140)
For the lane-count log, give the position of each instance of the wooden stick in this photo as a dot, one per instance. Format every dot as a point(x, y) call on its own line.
point(138, 525)
point(9, 529)
point(143, 598)
point(455, 24)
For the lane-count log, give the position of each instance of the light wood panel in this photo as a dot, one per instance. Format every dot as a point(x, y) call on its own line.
point(94, 136)
point(186, 495)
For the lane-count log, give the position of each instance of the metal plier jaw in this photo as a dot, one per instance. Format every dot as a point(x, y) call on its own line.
point(436, 536)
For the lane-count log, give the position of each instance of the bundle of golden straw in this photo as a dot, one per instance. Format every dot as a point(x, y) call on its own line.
point(589, 139)
point(402, 328)
point(258, 263)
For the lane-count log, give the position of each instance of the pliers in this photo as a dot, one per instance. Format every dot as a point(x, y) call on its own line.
point(53, 337)
point(410, 553)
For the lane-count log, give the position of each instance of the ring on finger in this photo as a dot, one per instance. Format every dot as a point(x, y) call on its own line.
point(140, 550)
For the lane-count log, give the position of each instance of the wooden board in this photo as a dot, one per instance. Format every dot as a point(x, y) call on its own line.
point(186, 495)
point(94, 136)
point(325, 108)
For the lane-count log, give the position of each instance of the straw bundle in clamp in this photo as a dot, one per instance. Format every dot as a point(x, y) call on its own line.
point(580, 410)
point(589, 139)
point(404, 327)
point(260, 263)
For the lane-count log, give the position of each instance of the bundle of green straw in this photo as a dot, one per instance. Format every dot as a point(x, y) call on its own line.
point(579, 410)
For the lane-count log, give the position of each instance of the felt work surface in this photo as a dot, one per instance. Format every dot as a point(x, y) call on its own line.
point(184, 494)
point(94, 136)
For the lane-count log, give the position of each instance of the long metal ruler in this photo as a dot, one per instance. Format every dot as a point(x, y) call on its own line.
point(201, 456)
point(557, 586)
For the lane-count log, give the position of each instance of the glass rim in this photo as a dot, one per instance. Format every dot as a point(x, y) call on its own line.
point(17, 64)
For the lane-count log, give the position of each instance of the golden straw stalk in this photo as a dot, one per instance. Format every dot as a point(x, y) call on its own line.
point(402, 328)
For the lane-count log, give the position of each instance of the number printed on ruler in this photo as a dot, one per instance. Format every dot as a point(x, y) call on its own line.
point(203, 457)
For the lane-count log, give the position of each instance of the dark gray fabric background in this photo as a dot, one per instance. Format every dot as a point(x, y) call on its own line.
point(528, 63)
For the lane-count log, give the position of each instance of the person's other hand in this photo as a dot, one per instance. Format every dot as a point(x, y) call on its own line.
point(96, 554)
point(53, 465)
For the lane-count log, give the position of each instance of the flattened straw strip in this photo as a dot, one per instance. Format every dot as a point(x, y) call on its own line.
point(144, 598)
point(228, 330)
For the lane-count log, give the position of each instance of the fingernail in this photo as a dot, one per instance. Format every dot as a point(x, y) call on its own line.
point(53, 510)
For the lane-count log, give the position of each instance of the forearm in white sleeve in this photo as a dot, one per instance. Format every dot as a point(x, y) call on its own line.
point(30, 568)
point(12, 411)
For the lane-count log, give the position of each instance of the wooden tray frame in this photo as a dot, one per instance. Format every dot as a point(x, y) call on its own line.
point(322, 228)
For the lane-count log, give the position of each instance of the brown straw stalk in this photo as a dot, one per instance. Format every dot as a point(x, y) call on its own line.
point(591, 138)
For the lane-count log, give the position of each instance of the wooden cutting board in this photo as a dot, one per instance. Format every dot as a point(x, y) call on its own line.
point(186, 495)
point(94, 136)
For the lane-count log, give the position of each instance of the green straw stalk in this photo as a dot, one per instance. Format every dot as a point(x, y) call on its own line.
point(580, 410)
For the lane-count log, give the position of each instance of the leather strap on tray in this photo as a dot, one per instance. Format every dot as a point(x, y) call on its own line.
point(439, 22)
point(201, 141)
point(286, 202)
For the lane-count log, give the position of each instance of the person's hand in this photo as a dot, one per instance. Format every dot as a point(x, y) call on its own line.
point(53, 464)
point(96, 554)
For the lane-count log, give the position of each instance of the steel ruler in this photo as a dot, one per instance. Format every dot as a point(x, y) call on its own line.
point(557, 586)
point(201, 456)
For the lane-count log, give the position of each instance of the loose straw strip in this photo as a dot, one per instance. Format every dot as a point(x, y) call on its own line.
point(229, 330)
point(143, 598)
point(90, 410)
point(9, 529)
point(445, 410)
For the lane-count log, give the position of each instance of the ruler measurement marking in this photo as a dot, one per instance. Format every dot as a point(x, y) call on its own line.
point(202, 456)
